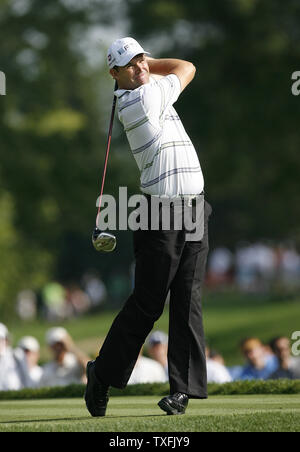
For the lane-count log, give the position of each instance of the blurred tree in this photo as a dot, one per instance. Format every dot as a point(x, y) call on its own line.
point(53, 125)
point(239, 110)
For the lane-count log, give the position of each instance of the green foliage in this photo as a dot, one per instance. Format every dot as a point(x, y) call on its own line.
point(22, 266)
point(256, 387)
point(53, 124)
point(158, 389)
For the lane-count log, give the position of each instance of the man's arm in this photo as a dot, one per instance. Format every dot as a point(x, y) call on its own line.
point(184, 70)
point(81, 357)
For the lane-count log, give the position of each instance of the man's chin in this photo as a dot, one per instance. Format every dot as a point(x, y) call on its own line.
point(142, 81)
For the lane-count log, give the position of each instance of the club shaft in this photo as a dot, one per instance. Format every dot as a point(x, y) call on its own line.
point(107, 149)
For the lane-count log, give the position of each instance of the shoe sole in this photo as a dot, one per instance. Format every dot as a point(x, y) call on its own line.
point(93, 413)
point(165, 406)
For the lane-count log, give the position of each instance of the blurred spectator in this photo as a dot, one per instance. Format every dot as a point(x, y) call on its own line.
point(216, 356)
point(220, 268)
point(289, 366)
point(157, 348)
point(95, 289)
point(13, 368)
point(26, 305)
point(255, 267)
point(216, 372)
point(147, 370)
point(77, 301)
point(31, 349)
point(54, 301)
point(68, 364)
point(290, 267)
point(259, 364)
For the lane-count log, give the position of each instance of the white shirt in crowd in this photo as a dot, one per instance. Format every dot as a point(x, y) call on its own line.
point(9, 373)
point(147, 370)
point(294, 366)
point(35, 375)
point(68, 372)
point(216, 372)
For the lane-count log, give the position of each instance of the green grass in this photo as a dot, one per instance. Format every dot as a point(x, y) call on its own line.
point(246, 413)
point(227, 319)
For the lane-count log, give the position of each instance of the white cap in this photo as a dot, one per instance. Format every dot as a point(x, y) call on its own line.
point(56, 334)
point(29, 343)
point(122, 51)
point(3, 331)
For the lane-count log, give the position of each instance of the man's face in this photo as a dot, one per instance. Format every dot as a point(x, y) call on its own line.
point(282, 348)
point(158, 352)
point(134, 74)
point(58, 349)
point(255, 356)
point(32, 357)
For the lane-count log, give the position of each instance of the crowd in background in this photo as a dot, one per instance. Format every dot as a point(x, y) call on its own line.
point(20, 367)
point(58, 301)
point(255, 268)
point(252, 268)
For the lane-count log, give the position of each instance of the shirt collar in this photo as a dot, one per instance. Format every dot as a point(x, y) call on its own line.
point(120, 92)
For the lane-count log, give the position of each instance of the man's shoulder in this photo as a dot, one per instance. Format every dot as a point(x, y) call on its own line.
point(163, 84)
point(129, 98)
point(154, 84)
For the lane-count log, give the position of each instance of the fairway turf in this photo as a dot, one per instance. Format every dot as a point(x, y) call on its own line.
point(265, 413)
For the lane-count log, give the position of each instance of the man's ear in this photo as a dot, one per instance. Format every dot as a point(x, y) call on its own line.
point(114, 73)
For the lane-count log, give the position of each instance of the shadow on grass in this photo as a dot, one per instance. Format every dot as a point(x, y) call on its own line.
point(84, 418)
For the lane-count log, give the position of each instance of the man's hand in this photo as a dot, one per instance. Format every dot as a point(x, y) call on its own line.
point(184, 70)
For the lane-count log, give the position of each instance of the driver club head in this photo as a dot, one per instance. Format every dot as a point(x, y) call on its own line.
point(103, 241)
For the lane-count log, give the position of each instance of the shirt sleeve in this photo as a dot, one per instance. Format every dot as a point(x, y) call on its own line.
point(161, 94)
point(171, 88)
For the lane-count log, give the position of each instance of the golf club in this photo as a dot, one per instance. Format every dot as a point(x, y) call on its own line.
point(105, 241)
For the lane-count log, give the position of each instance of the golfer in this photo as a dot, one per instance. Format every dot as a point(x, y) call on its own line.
point(165, 259)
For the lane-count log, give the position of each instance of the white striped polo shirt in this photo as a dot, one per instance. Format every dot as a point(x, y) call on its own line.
point(163, 151)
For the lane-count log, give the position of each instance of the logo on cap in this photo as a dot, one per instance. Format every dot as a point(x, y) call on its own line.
point(122, 50)
point(125, 48)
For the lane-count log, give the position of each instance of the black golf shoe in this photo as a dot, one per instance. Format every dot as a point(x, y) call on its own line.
point(96, 393)
point(174, 404)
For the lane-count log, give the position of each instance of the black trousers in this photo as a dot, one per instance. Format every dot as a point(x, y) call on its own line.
point(165, 262)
